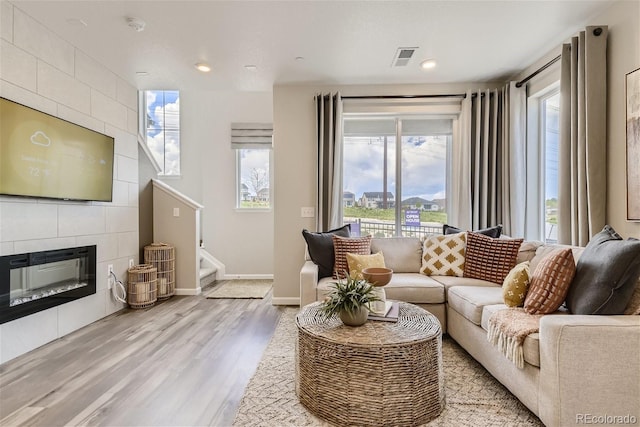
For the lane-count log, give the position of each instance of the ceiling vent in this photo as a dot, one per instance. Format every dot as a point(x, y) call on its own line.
point(403, 56)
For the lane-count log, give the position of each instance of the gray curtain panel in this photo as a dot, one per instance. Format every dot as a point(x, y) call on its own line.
point(329, 138)
point(582, 163)
point(491, 161)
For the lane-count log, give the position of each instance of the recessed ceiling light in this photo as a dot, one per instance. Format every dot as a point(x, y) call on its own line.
point(428, 64)
point(251, 67)
point(142, 73)
point(299, 58)
point(203, 66)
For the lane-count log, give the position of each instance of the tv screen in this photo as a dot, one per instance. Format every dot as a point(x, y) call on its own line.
point(44, 156)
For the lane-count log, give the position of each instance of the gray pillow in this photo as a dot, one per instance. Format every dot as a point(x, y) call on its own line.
point(606, 275)
point(494, 231)
point(320, 246)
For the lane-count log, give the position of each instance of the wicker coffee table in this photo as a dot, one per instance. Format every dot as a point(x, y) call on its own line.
point(381, 373)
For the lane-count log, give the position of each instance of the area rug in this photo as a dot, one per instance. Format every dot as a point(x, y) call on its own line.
point(241, 289)
point(473, 397)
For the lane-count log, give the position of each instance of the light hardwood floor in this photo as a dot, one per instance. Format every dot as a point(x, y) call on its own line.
point(183, 362)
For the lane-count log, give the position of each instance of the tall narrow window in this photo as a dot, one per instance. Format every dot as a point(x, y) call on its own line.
point(550, 109)
point(395, 189)
point(253, 142)
point(162, 127)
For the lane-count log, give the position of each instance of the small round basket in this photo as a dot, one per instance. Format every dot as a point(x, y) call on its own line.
point(377, 276)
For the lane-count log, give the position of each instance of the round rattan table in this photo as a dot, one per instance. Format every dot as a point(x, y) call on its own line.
point(378, 374)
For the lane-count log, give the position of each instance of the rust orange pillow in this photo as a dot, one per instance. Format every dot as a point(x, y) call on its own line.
point(550, 282)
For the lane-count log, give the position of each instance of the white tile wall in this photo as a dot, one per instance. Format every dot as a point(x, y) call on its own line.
point(63, 88)
point(6, 21)
point(95, 75)
point(31, 36)
point(18, 66)
point(44, 72)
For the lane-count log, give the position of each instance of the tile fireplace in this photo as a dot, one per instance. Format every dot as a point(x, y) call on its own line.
point(37, 281)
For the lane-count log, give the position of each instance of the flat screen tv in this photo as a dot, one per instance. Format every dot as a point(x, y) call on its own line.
point(44, 156)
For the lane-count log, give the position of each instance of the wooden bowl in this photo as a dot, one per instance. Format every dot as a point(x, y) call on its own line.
point(377, 276)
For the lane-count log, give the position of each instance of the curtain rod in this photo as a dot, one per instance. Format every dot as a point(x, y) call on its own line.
point(538, 71)
point(457, 95)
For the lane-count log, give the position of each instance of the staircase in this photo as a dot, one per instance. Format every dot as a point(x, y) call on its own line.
point(210, 268)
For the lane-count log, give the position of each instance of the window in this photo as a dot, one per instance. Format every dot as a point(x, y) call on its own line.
point(161, 119)
point(254, 180)
point(393, 189)
point(550, 110)
point(252, 142)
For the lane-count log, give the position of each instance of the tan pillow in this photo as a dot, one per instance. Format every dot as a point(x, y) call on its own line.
point(550, 282)
point(444, 255)
point(490, 259)
point(357, 263)
point(342, 245)
point(516, 285)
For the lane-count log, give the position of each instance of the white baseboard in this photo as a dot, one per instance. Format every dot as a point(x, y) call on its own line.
point(189, 291)
point(285, 301)
point(247, 277)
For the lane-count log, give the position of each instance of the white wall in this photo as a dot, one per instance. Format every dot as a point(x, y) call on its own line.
point(241, 240)
point(40, 70)
point(296, 169)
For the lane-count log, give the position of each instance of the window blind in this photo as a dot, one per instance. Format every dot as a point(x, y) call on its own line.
point(251, 135)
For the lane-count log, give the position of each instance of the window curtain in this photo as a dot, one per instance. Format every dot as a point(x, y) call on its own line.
point(489, 161)
point(582, 157)
point(329, 138)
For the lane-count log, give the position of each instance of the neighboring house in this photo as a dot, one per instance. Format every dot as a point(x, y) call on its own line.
point(420, 203)
point(348, 199)
point(263, 195)
point(244, 193)
point(376, 200)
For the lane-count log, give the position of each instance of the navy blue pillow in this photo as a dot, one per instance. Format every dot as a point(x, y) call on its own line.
point(320, 246)
point(494, 231)
point(606, 275)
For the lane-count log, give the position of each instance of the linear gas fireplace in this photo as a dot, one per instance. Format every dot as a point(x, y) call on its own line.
point(36, 281)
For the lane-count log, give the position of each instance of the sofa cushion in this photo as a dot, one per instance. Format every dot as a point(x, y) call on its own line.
point(606, 275)
point(634, 304)
point(409, 287)
point(320, 248)
point(444, 255)
point(470, 300)
point(342, 245)
point(531, 344)
point(494, 231)
point(516, 285)
point(401, 254)
point(550, 282)
point(357, 263)
point(490, 259)
point(527, 250)
point(451, 281)
point(545, 250)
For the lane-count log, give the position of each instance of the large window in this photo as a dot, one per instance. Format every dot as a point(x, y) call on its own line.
point(393, 189)
point(161, 122)
point(550, 109)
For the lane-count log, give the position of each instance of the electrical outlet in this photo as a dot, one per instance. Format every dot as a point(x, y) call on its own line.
point(307, 212)
point(131, 263)
point(109, 277)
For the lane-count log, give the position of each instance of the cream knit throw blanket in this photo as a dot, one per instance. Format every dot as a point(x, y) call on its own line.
point(508, 329)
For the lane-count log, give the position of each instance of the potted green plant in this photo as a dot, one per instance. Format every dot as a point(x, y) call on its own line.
point(350, 299)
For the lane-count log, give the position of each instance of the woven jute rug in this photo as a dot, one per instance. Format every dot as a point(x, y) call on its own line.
point(241, 289)
point(473, 397)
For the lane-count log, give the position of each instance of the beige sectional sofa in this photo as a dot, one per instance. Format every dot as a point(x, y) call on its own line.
point(578, 368)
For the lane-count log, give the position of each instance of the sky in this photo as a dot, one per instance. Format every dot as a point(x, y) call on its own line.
point(163, 132)
point(423, 166)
